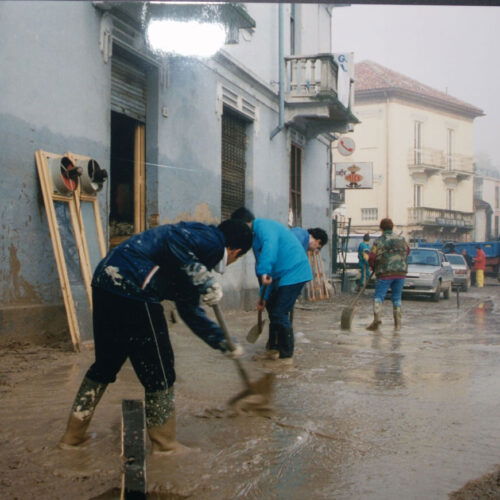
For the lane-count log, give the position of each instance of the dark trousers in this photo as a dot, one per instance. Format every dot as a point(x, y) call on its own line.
point(279, 308)
point(126, 328)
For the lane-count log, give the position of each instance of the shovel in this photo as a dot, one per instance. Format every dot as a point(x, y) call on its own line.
point(258, 393)
point(348, 312)
point(254, 332)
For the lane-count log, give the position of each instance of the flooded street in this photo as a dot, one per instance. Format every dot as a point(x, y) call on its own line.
point(361, 415)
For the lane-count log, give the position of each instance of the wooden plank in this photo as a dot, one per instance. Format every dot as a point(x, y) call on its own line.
point(100, 231)
point(139, 179)
point(133, 450)
point(47, 191)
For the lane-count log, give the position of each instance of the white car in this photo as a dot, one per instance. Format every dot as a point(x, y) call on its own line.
point(429, 273)
point(461, 271)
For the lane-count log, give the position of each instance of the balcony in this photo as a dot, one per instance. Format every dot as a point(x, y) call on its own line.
point(438, 217)
point(425, 161)
point(318, 96)
point(458, 167)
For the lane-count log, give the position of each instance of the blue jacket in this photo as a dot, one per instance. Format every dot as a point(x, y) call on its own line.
point(362, 248)
point(302, 235)
point(169, 262)
point(279, 254)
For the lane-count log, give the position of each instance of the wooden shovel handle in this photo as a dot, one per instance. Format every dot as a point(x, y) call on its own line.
point(261, 300)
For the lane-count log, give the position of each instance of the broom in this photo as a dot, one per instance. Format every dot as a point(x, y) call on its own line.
point(348, 312)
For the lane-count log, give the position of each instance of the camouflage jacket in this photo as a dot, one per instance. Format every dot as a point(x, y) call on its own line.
point(389, 254)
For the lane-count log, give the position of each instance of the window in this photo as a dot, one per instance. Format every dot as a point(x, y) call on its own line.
point(292, 29)
point(497, 228)
point(417, 195)
point(449, 148)
point(233, 166)
point(449, 199)
point(295, 218)
point(417, 143)
point(369, 214)
point(497, 197)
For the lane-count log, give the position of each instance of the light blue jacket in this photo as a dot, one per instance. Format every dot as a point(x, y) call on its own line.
point(302, 235)
point(279, 253)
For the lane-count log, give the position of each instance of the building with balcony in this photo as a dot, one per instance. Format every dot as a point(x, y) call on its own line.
point(182, 138)
point(420, 142)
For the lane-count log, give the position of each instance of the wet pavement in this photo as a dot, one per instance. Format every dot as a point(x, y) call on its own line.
point(362, 415)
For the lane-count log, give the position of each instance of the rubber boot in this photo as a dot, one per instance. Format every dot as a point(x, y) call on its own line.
point(82, 411)
point(396, 311)
point(160, 421)
point(377, 308)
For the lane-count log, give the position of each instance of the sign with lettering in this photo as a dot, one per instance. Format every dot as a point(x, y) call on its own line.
point(352, 175)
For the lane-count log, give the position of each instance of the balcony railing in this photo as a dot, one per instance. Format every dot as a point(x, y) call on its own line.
point(427, 159)
point(440, 217)
point(311, 76)
point(430, 161)
point(460, 163)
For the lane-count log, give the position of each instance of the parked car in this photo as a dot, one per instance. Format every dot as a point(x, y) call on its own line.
point(429, 273)
point(461, 271)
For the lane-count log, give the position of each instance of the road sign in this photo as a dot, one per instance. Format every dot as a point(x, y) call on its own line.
point(354, 175)
point(346, 146)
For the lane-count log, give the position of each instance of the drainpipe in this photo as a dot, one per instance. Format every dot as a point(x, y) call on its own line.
point(281, 66)
point(387, 154)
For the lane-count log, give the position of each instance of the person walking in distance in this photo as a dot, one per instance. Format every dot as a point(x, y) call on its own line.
point(363, 255)
point(479, 266)
point(388, 258)
point(169, 262)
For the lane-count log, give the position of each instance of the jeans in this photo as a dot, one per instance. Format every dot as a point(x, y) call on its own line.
point(382, 287)
point(364, 269)
point(279, 307)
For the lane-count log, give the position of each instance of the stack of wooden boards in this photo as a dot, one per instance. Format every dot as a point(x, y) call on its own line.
point(318, 288)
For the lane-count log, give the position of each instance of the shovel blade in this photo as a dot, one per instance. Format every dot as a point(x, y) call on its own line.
point(346, 318)
point(256, 399)
point(254, 332)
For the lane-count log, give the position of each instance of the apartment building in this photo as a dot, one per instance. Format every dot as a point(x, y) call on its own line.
point(182, 138)
point(420, 142)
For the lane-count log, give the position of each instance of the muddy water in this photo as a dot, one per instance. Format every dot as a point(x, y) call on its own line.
point(362, 415)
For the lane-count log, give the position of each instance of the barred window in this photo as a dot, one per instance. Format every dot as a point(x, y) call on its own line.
point(233, 167)
point(369, 214)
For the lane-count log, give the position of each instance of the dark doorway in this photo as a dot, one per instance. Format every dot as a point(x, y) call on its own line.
point(121, 215)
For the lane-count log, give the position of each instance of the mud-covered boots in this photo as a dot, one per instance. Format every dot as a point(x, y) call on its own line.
point(396, 311)
point(377, 309)
point(160, 421)
point(86, 400)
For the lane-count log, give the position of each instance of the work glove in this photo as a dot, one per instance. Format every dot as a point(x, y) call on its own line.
point(212, 295)
point(236, 353)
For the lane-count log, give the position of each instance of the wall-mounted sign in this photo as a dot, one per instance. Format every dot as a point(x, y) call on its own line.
point(346, 146)
point(353, 175)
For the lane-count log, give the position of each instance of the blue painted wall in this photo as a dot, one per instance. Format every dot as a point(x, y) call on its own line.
point(55, 96)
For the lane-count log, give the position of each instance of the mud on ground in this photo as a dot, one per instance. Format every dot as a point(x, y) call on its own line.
point(360, 416)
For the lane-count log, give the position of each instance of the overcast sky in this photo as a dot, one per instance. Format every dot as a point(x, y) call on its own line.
point(445, 47)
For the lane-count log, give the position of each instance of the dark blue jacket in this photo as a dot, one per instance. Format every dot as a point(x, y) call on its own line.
point(169, 262)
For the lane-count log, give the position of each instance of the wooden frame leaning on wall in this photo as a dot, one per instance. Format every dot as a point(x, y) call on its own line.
point(77, 237)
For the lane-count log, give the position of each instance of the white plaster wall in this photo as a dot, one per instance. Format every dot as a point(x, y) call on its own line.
point(389, 127)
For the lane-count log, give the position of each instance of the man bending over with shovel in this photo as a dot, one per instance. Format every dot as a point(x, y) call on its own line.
point(170, 262)
point(283, 267)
